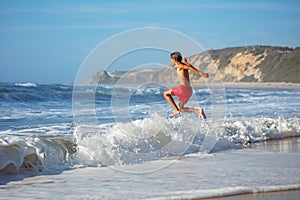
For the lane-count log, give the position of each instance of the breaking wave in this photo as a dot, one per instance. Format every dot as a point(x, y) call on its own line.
point(134, 142)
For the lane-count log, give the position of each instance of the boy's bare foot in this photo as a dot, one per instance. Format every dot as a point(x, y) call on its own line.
point(202, 114)
point(174, 113)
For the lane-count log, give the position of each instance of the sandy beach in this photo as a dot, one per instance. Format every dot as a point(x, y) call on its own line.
point(279, 85)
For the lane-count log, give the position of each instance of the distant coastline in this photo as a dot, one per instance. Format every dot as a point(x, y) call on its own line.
point(266, 66)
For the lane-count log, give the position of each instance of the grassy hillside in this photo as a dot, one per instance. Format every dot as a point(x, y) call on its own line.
point(276, 64)
point(281, 64)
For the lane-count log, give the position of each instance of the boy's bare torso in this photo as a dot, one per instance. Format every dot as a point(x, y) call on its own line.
point(183, 76)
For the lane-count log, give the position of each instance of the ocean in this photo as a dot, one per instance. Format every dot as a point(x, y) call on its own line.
point(135, 151)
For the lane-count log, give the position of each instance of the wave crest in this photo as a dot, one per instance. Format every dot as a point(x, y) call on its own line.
point(19, 154)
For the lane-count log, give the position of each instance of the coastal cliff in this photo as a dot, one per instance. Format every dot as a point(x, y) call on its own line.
point(236, 64)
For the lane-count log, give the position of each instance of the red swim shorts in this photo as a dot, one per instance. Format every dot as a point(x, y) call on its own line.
point(183, 92)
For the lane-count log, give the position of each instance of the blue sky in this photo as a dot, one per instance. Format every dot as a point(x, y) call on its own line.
point(46, 41)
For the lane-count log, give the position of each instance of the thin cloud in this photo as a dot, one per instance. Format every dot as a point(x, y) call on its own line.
point(84, 26)
point(67, 27)
point(25, 10)
point(142, 6)
point(111, 8)
point(146, 6)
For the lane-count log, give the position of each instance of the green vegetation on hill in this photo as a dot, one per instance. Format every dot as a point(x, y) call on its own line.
point(279, 64)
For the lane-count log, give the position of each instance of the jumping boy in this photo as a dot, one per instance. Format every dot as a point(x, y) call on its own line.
point(184, 91)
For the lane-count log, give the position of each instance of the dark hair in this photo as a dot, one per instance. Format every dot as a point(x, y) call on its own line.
point(177, 56)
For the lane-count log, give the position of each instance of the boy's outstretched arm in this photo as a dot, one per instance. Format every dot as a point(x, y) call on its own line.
point(192, 68)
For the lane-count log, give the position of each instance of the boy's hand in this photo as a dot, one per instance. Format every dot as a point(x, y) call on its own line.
point(185, 61)
point(204, 75)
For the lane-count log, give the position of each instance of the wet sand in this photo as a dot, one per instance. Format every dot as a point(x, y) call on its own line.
point(288, 195)
point(288, 145)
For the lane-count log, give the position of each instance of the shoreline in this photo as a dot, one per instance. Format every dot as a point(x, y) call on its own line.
point(272, 195)
point(252, 85)
point(266, 85)
point(275, 85)
point(284, 145)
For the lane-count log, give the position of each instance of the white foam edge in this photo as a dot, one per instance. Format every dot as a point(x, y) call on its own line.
point(225, 192)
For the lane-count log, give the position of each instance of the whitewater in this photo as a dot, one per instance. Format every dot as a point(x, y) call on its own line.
point(149, 156)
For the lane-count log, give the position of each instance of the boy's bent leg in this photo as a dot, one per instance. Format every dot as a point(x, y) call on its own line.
point(176, 112)
point(170, 100)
